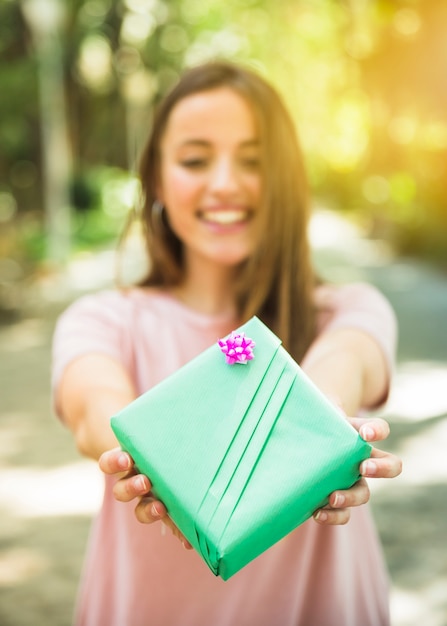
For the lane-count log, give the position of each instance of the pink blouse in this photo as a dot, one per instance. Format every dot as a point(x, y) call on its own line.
point(135, 574)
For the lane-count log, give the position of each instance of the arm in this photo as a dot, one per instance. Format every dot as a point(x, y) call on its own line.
point(92, 389)
point(349, 367)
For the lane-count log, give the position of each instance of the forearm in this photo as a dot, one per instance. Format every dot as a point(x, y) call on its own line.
point(339, 377)
point(92, 390)
point(348, 366)
point(92, 431)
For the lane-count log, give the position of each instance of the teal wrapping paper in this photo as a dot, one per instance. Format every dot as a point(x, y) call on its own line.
point(240, 454)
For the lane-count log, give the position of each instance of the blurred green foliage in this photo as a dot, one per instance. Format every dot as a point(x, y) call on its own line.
point(365, 81)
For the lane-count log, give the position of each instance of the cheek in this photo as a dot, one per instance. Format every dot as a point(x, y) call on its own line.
point(254, 187)
point(178, 187)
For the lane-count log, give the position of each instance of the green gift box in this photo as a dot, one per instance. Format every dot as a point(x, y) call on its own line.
point(240, 454)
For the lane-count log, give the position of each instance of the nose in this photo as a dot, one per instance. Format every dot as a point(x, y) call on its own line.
point(224, 177)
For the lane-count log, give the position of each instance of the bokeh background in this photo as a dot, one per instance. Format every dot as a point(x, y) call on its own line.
point(366, 82)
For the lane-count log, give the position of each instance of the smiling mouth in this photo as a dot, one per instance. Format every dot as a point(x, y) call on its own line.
point(225, 218)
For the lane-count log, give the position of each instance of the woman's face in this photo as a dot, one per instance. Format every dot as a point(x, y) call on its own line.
point(210, 180)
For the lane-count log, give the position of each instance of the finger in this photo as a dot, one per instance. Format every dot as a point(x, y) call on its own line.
point(176, 532)
point(381, 465)
point(355, 496)
point(128, 488)
point(332, 517)
point(149, 510)
point(115, 461)
point(376, 429)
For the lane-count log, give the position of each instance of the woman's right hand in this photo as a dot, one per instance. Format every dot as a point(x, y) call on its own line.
point(131, 485)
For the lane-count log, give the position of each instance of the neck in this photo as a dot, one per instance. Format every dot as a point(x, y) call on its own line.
point(208, 289)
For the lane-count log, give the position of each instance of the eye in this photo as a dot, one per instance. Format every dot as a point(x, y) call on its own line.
point(251, 163)
point(194, 163)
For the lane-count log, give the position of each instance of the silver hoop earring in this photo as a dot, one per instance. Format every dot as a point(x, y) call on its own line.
point(157, 209)
point(157, 213)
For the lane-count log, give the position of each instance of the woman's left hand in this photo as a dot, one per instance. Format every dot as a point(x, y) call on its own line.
point(379, 465)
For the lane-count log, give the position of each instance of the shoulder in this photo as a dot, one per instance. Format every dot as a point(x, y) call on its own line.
point(105, 322)
point(93, 322)
point(360, 296)
point(97, 322)
point(116, 307)
point(110, 303)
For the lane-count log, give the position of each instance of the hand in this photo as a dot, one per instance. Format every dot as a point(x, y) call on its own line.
point(379, 465)
point(130, 485)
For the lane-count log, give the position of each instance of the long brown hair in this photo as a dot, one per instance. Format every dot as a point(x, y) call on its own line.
point(277, 282)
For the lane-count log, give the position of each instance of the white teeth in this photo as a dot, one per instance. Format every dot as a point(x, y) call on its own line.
point(225, 217)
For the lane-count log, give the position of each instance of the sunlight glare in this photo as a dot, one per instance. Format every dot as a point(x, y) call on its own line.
point(30, 492)
point(422, 606)
point(419, 391)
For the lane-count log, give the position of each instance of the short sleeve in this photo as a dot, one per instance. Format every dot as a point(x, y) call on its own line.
point(93, 324)
point(361, 306)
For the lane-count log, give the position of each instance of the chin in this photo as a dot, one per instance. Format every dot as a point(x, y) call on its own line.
point(231, 260)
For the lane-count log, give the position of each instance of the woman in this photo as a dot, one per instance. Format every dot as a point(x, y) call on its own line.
point(225, 210)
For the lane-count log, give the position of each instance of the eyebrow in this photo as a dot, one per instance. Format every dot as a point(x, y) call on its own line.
point(248, 143)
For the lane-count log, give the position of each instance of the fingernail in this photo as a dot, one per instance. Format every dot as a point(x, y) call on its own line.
point(367, 433)
point(154, 511)
point(321, 516)
point(339, 500)
point(123, 461)
point(369, 468)
point(140, 483)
